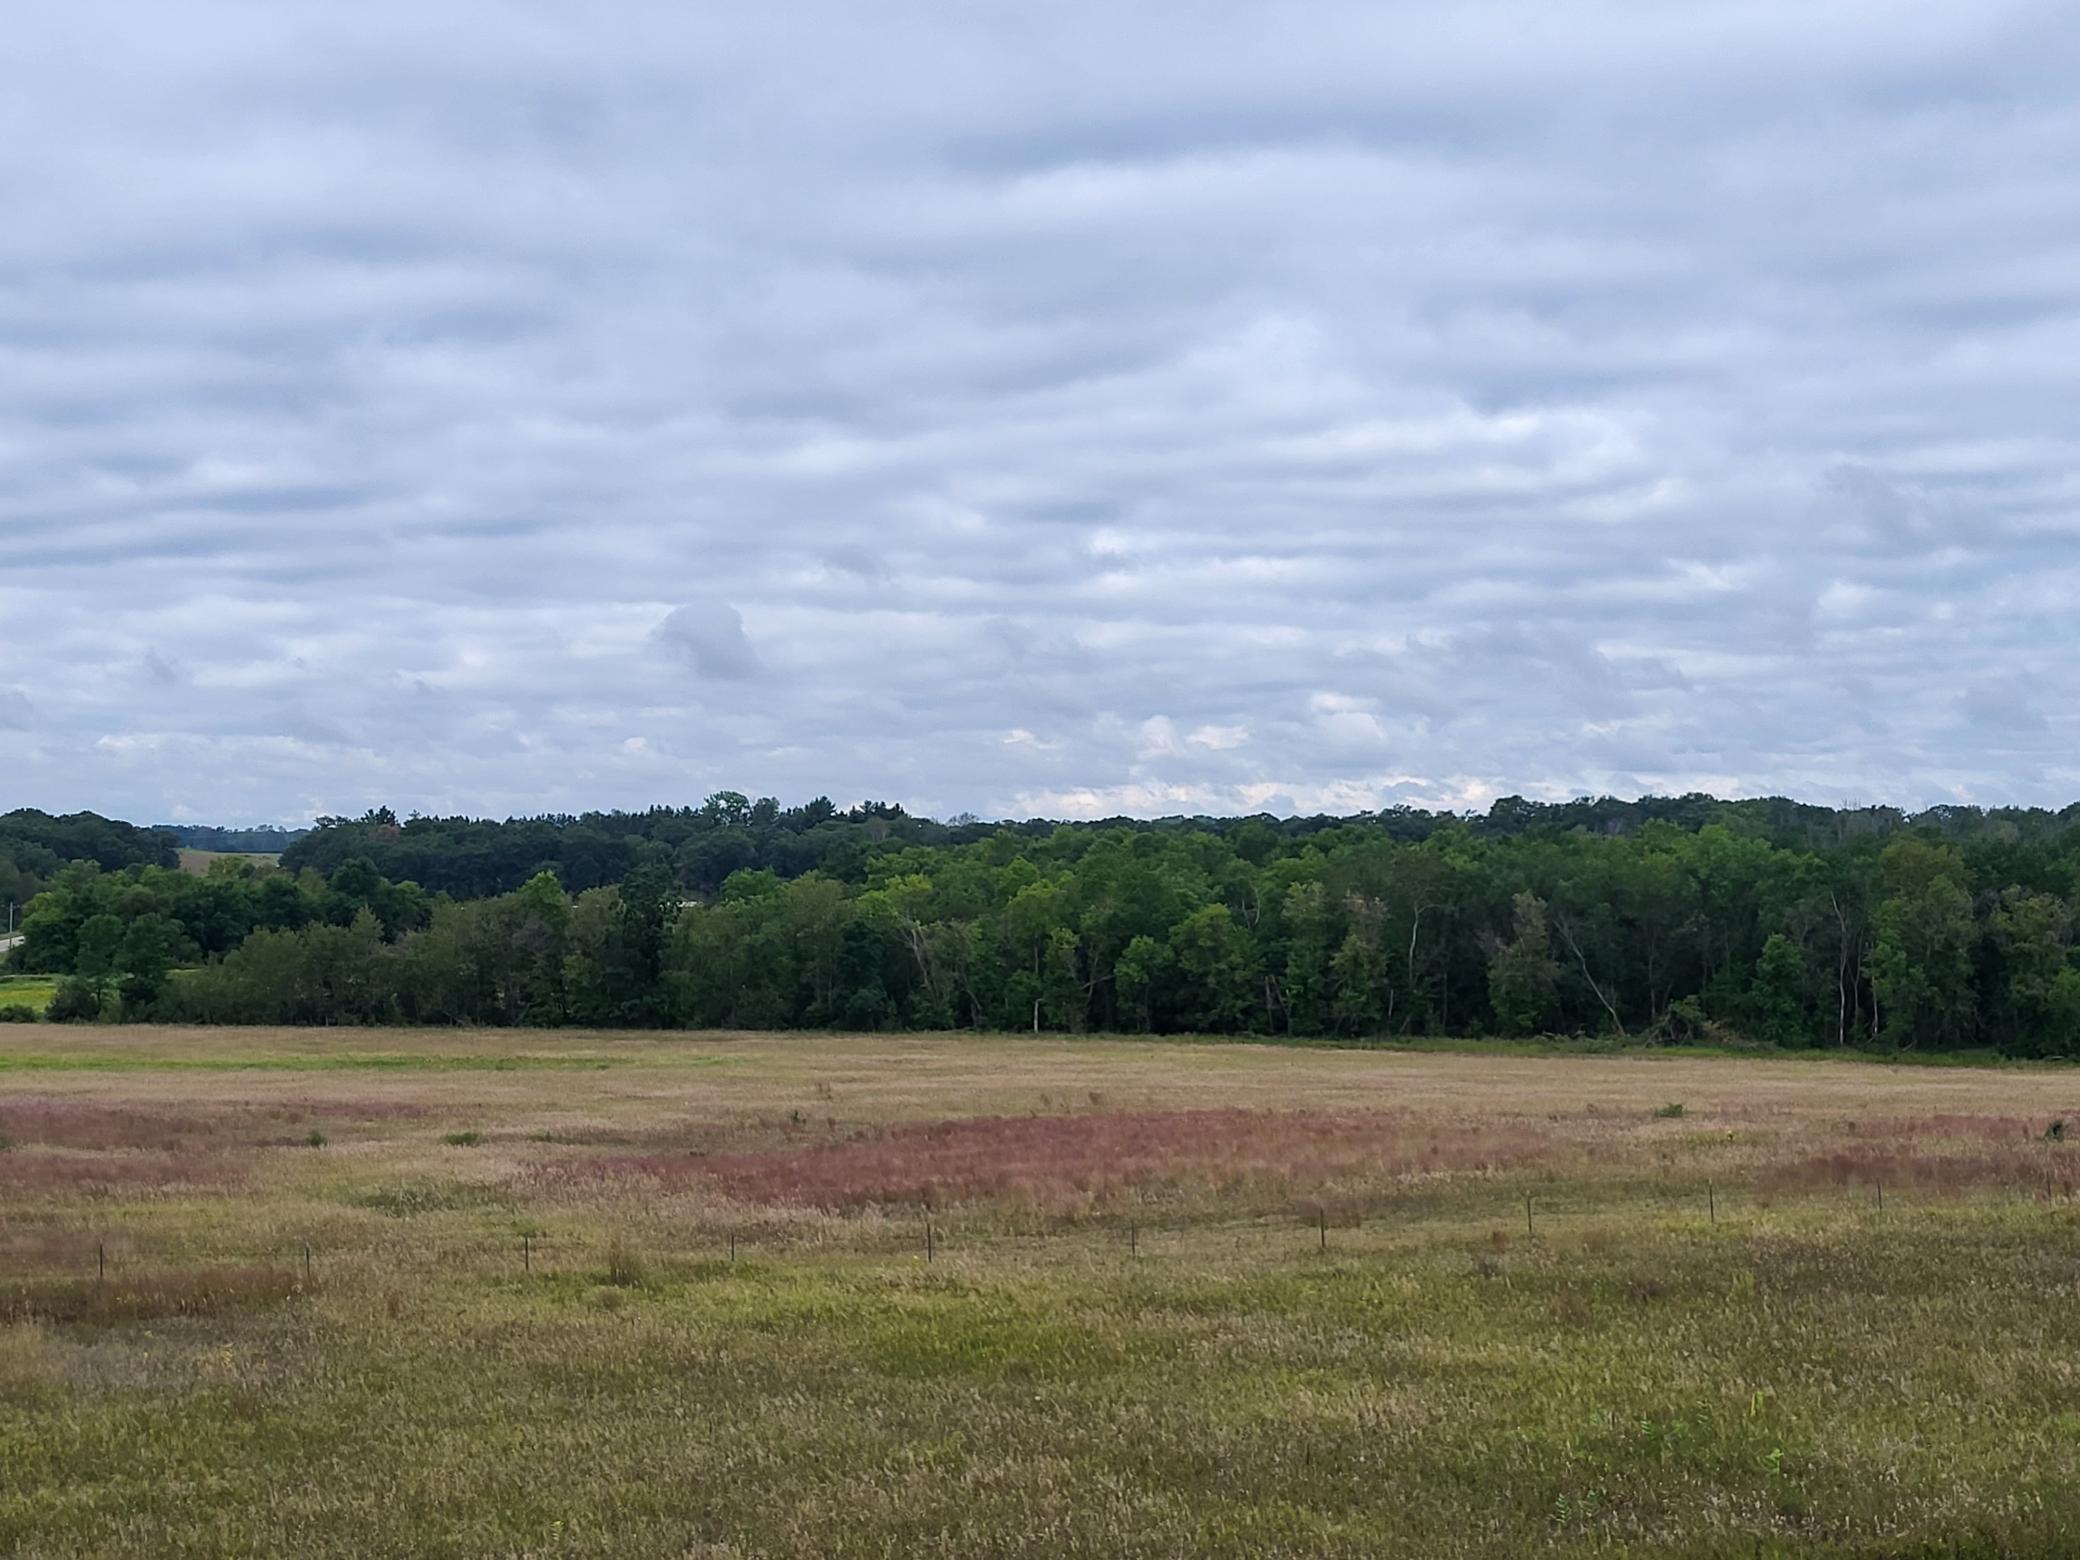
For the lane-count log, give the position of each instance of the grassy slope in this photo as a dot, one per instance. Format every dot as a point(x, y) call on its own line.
point(1807, 1375)
point(199, 861)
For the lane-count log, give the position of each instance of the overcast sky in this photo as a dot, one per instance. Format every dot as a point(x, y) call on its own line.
point(1049, 409)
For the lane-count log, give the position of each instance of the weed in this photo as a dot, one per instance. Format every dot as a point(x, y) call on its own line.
point(625, 1268)
point(1671, 1111)
point(462, 1139)
point(314, 1139)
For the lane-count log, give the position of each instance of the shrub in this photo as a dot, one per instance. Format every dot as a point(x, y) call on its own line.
point(462, 1139)
point(75, 1003)
point(1671, 1110)
point(17, 1013)
point(316, 1139)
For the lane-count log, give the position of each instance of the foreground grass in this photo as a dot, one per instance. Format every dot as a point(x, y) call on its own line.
point(494, 1350)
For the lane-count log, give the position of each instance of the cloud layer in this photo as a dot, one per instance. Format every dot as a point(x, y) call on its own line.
point(1054, 410)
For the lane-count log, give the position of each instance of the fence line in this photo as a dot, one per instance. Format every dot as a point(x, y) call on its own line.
point(532, 1249)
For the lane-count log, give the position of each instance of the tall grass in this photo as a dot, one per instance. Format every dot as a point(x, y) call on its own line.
point(660, 1309)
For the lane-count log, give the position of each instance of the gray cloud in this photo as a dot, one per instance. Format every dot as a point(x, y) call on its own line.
point(712, 638)
point(466, 407)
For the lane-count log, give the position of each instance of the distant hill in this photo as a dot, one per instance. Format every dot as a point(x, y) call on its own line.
point(34, 845)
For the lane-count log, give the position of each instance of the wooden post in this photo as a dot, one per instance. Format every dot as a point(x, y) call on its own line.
point(100, 1260)
point(1881, 1197)
point(928, 1240)
point(1321, 1219)
point(1528, 1230)
point(527, 1252)
point(306, 1264)
point(733, 1245)
point(1711, 1198)
point(1134, 1240)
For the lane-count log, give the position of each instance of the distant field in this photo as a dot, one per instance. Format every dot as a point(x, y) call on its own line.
point(198, 861)
point(570, 1293)
point(33, 991)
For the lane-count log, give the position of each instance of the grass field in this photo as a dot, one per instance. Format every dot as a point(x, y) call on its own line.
point(466, 1294)
point(200, 861)
point(31, 991)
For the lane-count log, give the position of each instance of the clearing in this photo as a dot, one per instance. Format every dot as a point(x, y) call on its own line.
point(440, 1292)
point(200, 861)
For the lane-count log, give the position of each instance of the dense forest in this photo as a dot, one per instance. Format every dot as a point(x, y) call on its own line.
point(1666, 919)
point(35, 846)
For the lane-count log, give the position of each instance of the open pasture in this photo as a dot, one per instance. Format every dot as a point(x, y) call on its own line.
point(352, 1292)
point(33, 992)
point(200, 861)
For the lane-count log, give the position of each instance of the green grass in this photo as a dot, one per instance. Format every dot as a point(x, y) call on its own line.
point(34, 991)
point(1675, 1392)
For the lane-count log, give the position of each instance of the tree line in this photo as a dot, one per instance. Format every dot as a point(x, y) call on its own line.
point(1669, 919)
point(35, 846)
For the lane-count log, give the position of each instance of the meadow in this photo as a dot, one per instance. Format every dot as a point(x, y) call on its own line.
point(33, 992)
point(451, 1292)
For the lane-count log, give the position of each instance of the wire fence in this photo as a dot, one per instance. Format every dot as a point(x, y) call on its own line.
point(1373, 1228)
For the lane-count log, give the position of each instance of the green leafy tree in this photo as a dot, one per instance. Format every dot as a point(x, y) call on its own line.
point(1216, 970)
point(1777, 995)
point(151, 946)
point(1921, 966)
point(1522, 974)
point(1142, 974)
point(1310, 927)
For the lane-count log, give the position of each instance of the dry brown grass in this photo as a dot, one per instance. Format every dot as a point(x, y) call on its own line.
point(1052, 1125)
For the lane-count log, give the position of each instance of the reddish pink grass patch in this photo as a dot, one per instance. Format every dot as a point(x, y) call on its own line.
point(1069, 1161)
point(58, 1122)
point(37, 1172)
point(66, 1123)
